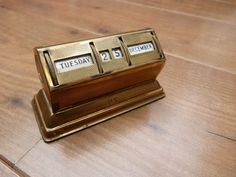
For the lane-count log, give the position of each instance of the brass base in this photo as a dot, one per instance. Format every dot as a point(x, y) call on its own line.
point(57, 125)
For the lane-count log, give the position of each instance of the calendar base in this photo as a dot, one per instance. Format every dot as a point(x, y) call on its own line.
point(62, 123)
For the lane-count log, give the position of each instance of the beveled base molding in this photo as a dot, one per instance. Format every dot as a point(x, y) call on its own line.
point(62, 123)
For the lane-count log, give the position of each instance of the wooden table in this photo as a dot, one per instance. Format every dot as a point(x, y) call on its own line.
point(191, 132)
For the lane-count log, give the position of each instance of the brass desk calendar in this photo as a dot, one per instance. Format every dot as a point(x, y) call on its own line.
point(90, 81)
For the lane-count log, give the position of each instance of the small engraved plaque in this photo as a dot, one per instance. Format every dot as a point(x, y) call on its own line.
point(141, 48)
point(72, 63)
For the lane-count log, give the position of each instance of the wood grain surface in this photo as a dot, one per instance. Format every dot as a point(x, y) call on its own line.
point(191, 132)
point(8, 169)
point(6, 172)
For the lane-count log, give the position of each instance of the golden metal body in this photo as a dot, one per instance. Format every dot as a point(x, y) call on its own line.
point(90, 81)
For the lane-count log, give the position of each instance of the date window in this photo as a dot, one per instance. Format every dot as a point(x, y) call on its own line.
point(117, 53)
point(105, 56)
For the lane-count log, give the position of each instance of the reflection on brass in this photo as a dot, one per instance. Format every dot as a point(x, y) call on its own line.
point(90, 81)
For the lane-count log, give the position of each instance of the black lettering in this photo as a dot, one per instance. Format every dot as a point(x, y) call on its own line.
point(71, 63)
point(142, 47)
point(62, 67)
point(66, 64)
point(131, 50)
point(80, 61)
point(86, 60)
point(117, 53)
point(104, 56)
point(76, 62)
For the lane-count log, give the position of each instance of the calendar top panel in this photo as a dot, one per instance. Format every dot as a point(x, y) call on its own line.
point(71, 63)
